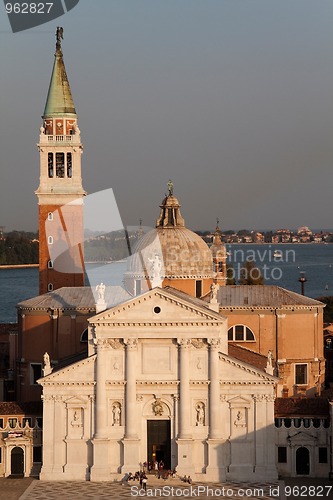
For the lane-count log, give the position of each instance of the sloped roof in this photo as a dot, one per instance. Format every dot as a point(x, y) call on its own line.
point(246, 355)
point(302, 407)
point(59, 100)
point(17, 408)
point(262, 296)
point(76, 298)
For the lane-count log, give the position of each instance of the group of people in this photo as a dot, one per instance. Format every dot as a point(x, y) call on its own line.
point(160, 473)
point(138, 476)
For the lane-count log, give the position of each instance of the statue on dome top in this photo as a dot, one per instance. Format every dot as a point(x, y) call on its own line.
point(170, 187)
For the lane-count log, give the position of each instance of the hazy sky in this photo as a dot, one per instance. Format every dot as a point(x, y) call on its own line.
point(231, 99)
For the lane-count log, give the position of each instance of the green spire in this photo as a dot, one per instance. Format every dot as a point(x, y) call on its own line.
point(59, 100)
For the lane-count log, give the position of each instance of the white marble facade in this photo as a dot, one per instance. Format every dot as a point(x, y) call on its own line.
point(159, 361)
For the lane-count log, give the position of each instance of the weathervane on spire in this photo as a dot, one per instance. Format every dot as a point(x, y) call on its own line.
point(59, 36)
point(170, 187)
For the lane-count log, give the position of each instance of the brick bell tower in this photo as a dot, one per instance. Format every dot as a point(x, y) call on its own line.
point(60, 192)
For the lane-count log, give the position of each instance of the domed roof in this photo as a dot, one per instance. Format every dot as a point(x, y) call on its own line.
point(181, 253)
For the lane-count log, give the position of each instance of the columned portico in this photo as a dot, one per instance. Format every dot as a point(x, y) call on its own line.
point(157, 372)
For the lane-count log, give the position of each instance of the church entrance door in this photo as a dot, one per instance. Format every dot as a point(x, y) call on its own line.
point(17, 461)
point(159, 442)
point(302, 461)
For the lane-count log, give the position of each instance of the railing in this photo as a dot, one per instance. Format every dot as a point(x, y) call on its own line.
point(62, 139)
point(59, 138)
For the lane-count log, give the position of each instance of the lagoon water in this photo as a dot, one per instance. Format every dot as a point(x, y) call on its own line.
point(316, 260)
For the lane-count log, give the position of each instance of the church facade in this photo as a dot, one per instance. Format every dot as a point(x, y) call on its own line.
point(157, 386)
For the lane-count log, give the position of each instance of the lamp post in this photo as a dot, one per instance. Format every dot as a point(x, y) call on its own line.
point(302, 280)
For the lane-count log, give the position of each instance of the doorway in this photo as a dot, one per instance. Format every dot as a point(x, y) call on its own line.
point(17, 461)
point(159, 442)
point(302, 461)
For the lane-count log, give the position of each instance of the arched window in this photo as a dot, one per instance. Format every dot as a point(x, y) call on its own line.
point(84, 336)
point(240, 333)
point(50, 287)
point(50, 216)
point(50, 240)
point(50, 264)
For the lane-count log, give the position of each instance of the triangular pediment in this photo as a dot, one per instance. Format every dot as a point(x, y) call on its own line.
point(75, 400)
point(239, 401)
point(302, 437)
point(159, 306)
point(80, 372)
point(233, 371)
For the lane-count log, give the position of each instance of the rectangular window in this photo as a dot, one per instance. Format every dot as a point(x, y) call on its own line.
point(69, 165)
point(26, 420)
point(50, 164)
point(282, 454)
point(1, 423)
point(37, 454)
point(60, 165)
point(198, 288)
point(35, 372)
point(323, 455)
point(301, 374)
point(12, 422)
point(0, 455)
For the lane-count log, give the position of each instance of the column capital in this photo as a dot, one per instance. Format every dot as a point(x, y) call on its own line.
point(184, 343)
point(131, 343)
point(214, 343)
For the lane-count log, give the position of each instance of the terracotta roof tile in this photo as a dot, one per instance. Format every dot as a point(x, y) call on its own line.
point(305, 407)
point(243, 354)
point(24, 408)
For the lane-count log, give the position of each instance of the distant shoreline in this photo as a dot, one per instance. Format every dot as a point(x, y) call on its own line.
point(18, 266)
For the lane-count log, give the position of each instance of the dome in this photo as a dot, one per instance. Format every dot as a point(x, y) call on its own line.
point(171, 249)
point(183, 254)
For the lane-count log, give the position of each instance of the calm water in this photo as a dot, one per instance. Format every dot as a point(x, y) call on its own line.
point(315, 260)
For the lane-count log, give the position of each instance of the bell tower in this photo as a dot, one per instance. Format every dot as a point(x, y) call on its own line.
point(60, 192)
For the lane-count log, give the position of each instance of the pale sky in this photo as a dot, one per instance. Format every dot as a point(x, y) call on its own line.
point(231, 99)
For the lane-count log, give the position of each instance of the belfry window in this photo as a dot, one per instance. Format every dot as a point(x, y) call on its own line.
point(69, 165)
point(240, 333)
point(50, 164)
point(60, 165)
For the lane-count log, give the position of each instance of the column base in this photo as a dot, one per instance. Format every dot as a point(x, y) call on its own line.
point(185, 456)
point(217, 453)
point(131, 455)
point(100, 471)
